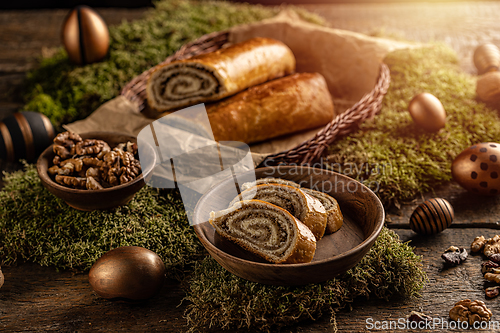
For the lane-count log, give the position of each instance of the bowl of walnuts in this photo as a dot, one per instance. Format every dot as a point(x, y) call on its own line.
point(95, 170)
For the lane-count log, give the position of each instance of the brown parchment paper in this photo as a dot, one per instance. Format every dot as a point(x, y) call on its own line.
point(349, 62)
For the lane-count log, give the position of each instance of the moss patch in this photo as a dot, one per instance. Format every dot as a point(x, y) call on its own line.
point(390, 153)
point(220, 299)
point(36, 226)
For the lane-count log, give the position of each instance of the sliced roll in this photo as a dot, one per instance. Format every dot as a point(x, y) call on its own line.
point(334, 215)
point(270, 180)
point(266, 230)
point(304, 207)
point(212, 76)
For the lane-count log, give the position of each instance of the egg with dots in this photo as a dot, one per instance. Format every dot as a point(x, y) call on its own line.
point(477, 168)
point(432, 216)
point(427, 112)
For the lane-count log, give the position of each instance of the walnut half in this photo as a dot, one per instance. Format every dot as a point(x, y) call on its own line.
point(470, 311)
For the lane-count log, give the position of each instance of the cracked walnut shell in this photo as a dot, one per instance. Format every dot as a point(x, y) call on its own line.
point(470, 311)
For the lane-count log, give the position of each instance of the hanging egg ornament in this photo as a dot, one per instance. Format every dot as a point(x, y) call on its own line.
point(85, 36)
point(25, 135)
point(486, 58)
point(427, 112)
point(432, 216)
point(128, 272)
point(477, 168)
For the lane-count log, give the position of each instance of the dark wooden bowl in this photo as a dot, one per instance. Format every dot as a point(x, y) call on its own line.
point(335, 254)
point(107, 198)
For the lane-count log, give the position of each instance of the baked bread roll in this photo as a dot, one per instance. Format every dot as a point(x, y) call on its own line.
point(269, 180)
point(266, 230)
point(215, 75)
point(304, 207)
point(294, 103)
point(335, 219)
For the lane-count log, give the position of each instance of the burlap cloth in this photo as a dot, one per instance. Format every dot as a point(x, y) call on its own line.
point(349, 62)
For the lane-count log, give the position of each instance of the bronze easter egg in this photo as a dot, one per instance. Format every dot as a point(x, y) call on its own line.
point(432, 216)
point(486, 58)
point(477, 168)
point(85, 36)
point(427, 112)
point(128, 272)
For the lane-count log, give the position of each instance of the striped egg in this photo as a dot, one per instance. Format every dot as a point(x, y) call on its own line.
point(25, 135)
point(432, 216)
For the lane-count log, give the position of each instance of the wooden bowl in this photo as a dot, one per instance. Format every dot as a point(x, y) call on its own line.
point(335, 254)
point(107, 198)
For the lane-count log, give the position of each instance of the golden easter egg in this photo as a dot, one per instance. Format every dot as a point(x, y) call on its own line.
point(477, 168)
point(427, 112)
point(85, 36)
point(432, 216)
point(128, 272)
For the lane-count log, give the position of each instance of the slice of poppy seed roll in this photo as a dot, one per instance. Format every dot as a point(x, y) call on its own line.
point(335, 219)
point(266, 230)
point(304, 207)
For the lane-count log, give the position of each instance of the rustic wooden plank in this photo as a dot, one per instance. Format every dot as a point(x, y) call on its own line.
point(40, 298)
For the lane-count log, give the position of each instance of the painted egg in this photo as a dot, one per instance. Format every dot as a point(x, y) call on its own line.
point(432, 216)
point(25, 135)
point(85, 36)
point(128, 272)
point(427, 112)
point(477, 168)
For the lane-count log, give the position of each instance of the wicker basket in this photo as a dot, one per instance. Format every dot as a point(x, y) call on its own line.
point(305, 153)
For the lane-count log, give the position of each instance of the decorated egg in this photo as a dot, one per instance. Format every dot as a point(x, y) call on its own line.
point(25, 135)
point(477, 168)
point(128, 272)
point(427, 112)
point(85, 36)
point(488, 87)
point(486, 58)
point(432, 216)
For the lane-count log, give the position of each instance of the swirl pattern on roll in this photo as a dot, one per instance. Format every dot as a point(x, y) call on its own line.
point(266, 230)
point(215, 75)
point(307, 209)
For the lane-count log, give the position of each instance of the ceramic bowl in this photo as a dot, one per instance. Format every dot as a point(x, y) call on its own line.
point(335, 253)
point(107, 198)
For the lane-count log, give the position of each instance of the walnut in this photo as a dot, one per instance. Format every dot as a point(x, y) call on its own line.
point(91, 147)
point(92, 172)
point(493, 275)
point(488, 266)
point(64, 144)
point(77, 182)
point(470, 311)
point(478, 244)
point(93, 162)
point(492, 246)
point(66, 170)
point(418, 317)
point(495, 257)
point(77, 164)
point(492, 292)
point(93, 184)
point(454, 255)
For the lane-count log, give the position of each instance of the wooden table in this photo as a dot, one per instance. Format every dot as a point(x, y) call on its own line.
point(36, 299)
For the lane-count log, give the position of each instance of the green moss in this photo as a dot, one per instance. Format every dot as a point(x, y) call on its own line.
point(220, 299)
point(404, 160)
point(65, 92)
point(36, 226)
